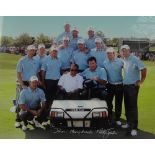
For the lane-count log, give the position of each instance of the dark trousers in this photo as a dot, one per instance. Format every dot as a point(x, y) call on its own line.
point(131, 107)
point(27, 116)
point(51, 90)
point(117, 92)
point(63, 95)
point(26, 83)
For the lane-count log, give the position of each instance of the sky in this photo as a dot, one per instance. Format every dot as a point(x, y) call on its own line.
point(111, 26)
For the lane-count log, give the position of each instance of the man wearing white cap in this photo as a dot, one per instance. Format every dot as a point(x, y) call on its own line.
point(26, 67)
point(99, 52)
point(32, 104)
point(65, 54)
point(90, 42)
point(134, 76)
point(51, 74)
point(75, 38)
point(67, 33)
point(41, 54)
point(81, 55)
point(113, 67)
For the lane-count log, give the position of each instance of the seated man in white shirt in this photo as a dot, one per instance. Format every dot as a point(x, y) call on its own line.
point(70, 84)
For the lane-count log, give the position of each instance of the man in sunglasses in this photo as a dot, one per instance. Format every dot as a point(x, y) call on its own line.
point(70, 84)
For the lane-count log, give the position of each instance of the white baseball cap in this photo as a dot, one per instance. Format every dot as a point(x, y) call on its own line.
point(75, 29)
point(33, 78)
point(81, 41)
point(41, 46)
point(53, 48)
point(125, 47)
point(90, 28)
point(110, 50)
point(65, 38)
point(31, 47)
point(98, 40)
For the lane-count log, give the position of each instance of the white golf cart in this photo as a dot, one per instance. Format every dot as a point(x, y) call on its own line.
point(90, 113)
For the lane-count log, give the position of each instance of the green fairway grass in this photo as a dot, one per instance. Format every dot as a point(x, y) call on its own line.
point(7, 94)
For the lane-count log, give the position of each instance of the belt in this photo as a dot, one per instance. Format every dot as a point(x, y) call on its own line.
point(116, 83)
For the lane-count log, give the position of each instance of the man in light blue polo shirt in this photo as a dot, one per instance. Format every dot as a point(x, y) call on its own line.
point(41, 55)
point(98, 52)
point(65, 54)
point(27, 66)
point(67, 33)
point(51, 74)
point(97, 75)
point(90, 42)
point(75, 38)
point(32, 104)
point(81, 56)
point(134, 76)
point(113, 67)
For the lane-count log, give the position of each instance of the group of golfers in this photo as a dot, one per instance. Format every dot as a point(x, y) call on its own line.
point(71, 60)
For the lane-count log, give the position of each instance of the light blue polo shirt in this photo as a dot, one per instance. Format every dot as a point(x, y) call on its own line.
point(73, 43)
point(114, 70)
point(27, 67)
point(59, 40)
point(65, 56)
point(40, 59)
point(52, 68)
point(132, 68)
point(80, 58)
point(100, 56)
point(32, 98)
point(99, 73)
point(90, 43)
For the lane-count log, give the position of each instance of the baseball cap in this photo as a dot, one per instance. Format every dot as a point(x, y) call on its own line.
point(31, 47)
point(75, 29)
point(41, 46)
point(90, 28)
point(98, 40)
point(81, 41)
point(53, 48)
point(125, 47)
point(110, 50)
point(65, 38)
point(33, 78)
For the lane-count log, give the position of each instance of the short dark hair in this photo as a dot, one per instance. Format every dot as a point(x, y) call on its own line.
point(76, 65)
point(91, 59)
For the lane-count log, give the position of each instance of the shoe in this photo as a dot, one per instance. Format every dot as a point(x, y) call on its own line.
point(38, 125)
point(134, 132)
point(24, 128)
point(45, 123)
point(119, 123)
point(125, 126)
point(17, 124)
point(31, 122)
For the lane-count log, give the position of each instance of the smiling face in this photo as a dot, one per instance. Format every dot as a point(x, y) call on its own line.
point(67, 28)
point(126, 53)
point(91, 34)
point(41, 51)
point(92, 65)
point(53, 54)
point(81, 47)
point(33, 84)
point(31, 53)
point(73, 70)
point(98, 45)
point(111, 55)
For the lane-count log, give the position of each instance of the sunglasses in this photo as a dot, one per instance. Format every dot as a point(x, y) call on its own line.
point(73, 70)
